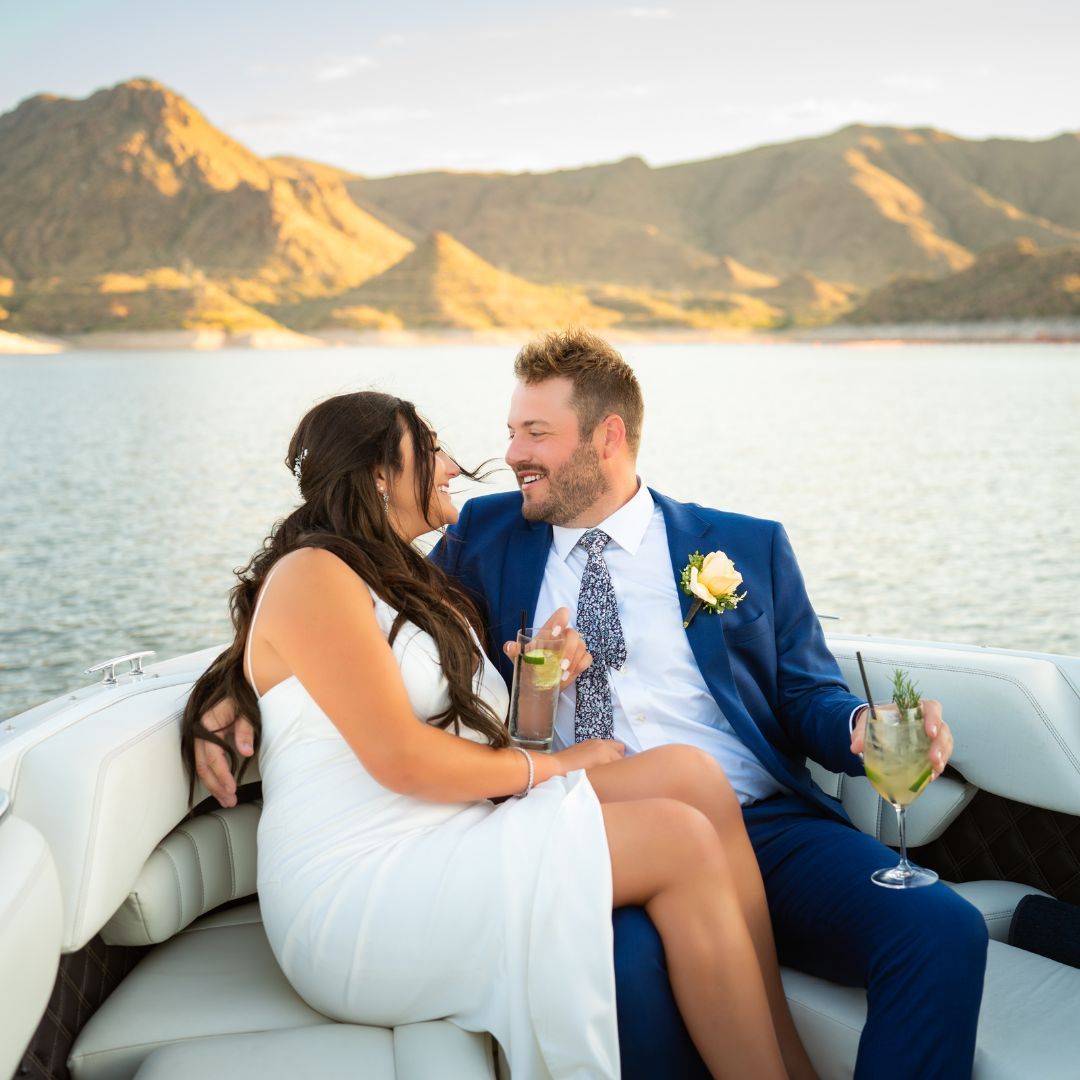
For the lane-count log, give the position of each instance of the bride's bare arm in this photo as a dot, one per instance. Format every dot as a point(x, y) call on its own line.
point(317, 622)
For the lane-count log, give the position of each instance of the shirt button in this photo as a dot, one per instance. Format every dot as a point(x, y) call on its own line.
point(640, 718)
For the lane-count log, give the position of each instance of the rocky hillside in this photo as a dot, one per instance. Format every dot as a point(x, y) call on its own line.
point(130, 210)
point(135, 178)
point(1014, 281)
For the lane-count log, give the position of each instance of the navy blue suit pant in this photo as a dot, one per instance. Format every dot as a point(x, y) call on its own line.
point(920, 954)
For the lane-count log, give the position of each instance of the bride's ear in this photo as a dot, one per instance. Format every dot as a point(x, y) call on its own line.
point(380, 480)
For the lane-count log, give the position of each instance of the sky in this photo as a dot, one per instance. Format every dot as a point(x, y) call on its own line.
point(408, 85)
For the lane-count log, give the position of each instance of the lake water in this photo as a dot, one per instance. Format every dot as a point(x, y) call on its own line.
point(930, 492)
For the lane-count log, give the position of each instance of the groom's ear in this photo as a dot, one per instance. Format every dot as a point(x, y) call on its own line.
point(612, 435)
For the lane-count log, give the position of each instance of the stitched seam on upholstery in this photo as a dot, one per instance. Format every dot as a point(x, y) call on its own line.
point(198, 865)
point(255, 921)
point(166, 682)
point(87, 1055)
point(951, 811)
point(179, 883)
point(220, 818)
point(1022, 687)
point(142, 917)
point(825, 1016)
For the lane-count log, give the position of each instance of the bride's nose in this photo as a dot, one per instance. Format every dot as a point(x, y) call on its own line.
point(452, 467)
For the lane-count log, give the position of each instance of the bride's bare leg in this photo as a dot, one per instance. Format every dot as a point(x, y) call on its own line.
point(693, 777)
point(667, 857)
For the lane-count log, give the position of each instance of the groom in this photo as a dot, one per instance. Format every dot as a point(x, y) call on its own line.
point(756, 687)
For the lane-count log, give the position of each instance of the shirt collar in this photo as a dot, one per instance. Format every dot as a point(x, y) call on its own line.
point(626, 526)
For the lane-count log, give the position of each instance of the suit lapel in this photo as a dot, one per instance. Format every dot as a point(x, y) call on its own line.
point(523, 574)
point(688, 532)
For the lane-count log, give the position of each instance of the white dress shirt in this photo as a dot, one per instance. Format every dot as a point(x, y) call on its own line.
point(659, 697)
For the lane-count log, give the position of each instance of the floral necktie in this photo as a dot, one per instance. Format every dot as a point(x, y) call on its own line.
point(598, 623)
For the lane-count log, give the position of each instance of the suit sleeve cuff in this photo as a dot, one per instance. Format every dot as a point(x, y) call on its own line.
point(851, 718)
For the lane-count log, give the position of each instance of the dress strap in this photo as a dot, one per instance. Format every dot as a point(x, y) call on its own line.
point(251, 631)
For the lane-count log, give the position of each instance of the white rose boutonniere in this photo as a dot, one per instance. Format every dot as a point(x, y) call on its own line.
point(712, 580)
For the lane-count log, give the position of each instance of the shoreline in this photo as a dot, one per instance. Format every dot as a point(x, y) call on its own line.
point(1032, 332)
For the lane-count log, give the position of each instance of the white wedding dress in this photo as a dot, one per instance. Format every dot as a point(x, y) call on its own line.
point(386, 909)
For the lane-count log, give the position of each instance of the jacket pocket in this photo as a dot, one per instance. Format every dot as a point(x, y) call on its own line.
point(740, 635)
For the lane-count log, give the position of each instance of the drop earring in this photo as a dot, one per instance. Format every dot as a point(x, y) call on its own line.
point(386, 503)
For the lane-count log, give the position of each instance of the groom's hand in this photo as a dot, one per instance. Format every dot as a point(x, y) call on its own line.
point(576, 657)
point(211, 762)
point(941, 740)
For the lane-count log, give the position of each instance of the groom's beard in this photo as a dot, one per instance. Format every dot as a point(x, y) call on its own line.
point(572, 488)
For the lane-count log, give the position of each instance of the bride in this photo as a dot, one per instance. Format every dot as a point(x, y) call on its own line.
point(397, 881)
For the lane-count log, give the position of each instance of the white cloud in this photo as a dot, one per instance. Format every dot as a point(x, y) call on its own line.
point(531, 97)
point(830, 111)
point(627, 92)
point(343, 69)
point(918, 84)
point(647, 12)
point(373, 116)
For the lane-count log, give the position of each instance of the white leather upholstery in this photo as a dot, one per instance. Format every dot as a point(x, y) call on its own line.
point(29, 936)
point(997, 901)
point(103, 793)
point(105, 789)
point(1015, 716)
point(203, 863)
point(927, 817)
point(331, 1052)
point(218, 981)
point(218, 977)
point(1027, 1027)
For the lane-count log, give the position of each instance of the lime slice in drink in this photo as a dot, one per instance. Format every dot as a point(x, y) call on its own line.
point(918, 785)
point(547, 671)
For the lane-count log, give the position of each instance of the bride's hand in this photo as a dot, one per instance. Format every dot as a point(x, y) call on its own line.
point(589, 754)
point(576, 657)
point(211, 762)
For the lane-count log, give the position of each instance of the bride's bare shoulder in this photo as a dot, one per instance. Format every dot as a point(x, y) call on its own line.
point(312, 568)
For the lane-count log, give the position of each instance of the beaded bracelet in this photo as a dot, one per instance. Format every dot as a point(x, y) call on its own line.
point(528, 758)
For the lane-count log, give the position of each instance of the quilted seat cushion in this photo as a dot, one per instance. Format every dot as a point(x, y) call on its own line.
point(331, 1052)
point(213, 1002)
point(214, 993)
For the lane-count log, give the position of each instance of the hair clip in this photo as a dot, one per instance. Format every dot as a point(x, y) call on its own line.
point(298, 463)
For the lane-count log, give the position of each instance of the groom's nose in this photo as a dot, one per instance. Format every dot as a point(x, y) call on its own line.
point(515, 452)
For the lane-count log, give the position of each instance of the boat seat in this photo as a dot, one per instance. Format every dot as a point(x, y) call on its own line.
point(212, 1001)
point(210, 995)
point(103, 794)
point(29, 934)
point(1027, 1025)
point(330, 1051)
point(100, 792)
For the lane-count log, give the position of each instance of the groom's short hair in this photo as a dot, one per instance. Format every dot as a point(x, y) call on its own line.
point(604, 383)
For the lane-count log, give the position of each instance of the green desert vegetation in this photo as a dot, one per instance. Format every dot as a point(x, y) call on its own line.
point(1014, 281)
point(164, 299)
point(131, 210)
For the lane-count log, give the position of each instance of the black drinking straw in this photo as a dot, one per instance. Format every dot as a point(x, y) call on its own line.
point(866, 683)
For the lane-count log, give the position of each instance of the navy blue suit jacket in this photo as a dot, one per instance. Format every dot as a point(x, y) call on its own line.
point(766, 663)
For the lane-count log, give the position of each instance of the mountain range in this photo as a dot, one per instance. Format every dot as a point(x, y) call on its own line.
point(130, 210)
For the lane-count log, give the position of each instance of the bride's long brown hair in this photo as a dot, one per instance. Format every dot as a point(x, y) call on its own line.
point(339, 444)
